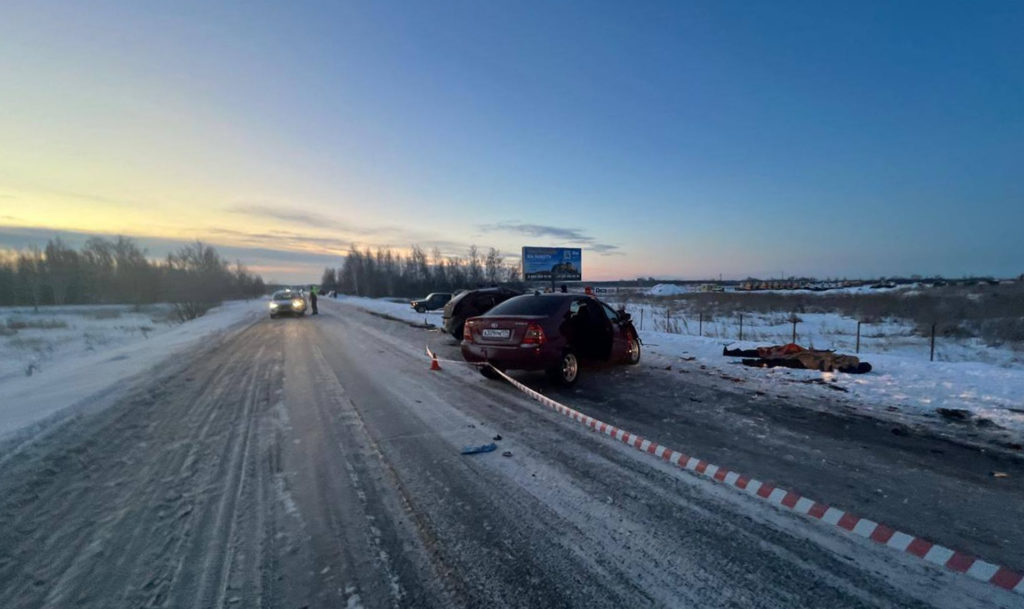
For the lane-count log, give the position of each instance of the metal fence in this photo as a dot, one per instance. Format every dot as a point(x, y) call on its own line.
point(838, 333)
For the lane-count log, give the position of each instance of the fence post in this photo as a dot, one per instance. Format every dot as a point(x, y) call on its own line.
point(931, 357)
point(741, 326)
point(700, 325)
point(794, 329)
point(641, 319)
point(858, 338)
point(667, 312)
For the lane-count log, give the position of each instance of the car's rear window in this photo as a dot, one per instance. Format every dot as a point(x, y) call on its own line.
point(528, 305)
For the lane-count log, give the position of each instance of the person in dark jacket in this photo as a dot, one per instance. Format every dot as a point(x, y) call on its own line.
point(312, 300)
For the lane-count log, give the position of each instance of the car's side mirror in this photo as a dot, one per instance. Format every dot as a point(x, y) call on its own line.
point(623, 316)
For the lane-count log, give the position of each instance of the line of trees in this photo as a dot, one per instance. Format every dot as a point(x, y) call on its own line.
point(108, 271)
point(389, 273)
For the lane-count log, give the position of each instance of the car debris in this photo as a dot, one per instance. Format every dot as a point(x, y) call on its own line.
point(953, 414)
point(484, 448)
point(792, 355)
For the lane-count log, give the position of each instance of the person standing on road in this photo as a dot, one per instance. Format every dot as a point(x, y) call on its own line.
point(312, 300)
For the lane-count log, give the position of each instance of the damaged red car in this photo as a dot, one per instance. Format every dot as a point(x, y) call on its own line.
point(556, 333)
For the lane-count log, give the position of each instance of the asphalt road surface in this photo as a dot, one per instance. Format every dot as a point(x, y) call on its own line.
point(315, 463)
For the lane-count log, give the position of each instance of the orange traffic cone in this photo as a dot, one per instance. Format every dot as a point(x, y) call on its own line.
point(434, 365)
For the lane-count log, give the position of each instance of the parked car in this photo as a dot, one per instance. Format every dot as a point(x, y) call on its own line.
point(432, 302)
point(287, 302)
point(468, 303)
point(550, 332)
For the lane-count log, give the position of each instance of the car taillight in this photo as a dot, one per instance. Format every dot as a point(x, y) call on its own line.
point(534, 335)
point(467, 332)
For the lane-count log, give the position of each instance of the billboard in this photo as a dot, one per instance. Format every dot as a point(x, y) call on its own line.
point(552, 263)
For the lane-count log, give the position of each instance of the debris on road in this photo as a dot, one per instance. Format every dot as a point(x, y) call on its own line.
point(497, 437)
point(1000, 475)
point(507, 453)
point(485, 448)
point(954, 414)
point(831, 386)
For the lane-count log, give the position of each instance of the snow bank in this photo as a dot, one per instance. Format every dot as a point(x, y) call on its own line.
point(667, 289)
point(822, 331)
point(73, 353)
point(399, 309)
point(896, 383)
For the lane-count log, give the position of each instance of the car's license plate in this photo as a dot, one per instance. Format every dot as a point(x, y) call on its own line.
point(493, 333)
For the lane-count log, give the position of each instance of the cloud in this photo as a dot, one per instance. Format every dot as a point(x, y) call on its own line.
point(604, 249)
point(571, 235)
point(565, 235)
point(362, 236)
point(292, 216)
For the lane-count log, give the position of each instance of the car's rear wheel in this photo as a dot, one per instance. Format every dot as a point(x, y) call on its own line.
point(633, 351)
point(567, 372)
point(457, 325)
point(489, 372)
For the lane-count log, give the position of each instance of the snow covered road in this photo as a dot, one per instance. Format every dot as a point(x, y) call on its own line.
point(315, 462)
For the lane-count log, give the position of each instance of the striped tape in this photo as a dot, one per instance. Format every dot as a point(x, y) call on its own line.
point(879, 533)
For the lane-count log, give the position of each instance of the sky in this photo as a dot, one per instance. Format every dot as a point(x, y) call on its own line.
point(667, 139)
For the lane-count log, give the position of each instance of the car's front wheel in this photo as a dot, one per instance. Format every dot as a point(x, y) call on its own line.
point(567, 372)
point(421, 309)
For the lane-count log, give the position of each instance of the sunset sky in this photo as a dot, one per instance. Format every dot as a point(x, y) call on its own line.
point(675, 139)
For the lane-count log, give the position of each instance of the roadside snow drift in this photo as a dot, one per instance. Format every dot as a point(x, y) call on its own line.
point(59, 356)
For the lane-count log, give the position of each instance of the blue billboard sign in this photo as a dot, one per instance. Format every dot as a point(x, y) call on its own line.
point(552, 264)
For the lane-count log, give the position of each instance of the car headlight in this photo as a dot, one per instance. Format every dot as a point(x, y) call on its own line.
point(273, 305)
point(298, 303)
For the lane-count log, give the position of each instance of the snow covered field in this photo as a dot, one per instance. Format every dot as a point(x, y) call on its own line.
point(52, 358)
point(967, 375)
point(890, 336)
point(397, 309)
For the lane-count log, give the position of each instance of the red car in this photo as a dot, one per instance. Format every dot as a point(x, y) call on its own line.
point(550, 332)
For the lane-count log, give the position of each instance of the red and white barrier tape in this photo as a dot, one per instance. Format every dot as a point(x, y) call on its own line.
point(779, 497)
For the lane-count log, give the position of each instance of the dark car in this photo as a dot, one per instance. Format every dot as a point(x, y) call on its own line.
point(550, 332)
point(432, 302)
point(469, 303)
point(287, 302)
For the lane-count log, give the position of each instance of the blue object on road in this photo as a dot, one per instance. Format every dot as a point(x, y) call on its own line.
point(486, 448)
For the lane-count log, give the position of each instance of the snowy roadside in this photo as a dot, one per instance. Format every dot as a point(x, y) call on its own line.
point(79, 352)
point(400, 310)
point(900, 384)
point(896, 385)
